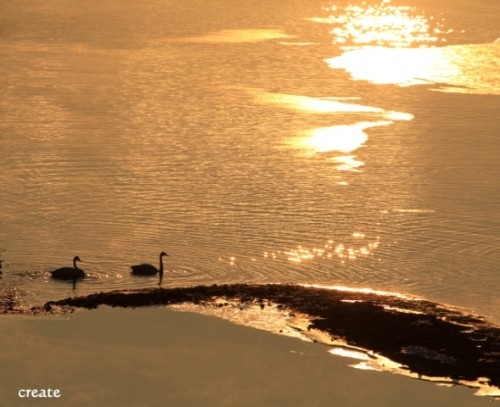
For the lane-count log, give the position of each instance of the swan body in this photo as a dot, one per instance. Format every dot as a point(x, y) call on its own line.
point(148, 269)
point(144, 269)
point(69, 272)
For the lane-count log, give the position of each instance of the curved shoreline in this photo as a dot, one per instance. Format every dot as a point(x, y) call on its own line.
point(426, 338)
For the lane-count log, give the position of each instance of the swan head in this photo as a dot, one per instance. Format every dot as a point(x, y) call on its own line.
point(163, 254)
point(76, 258)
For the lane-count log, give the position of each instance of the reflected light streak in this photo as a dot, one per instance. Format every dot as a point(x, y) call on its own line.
point(327, 105)
point(297, 43)
point(343, 138)
point(363, 290)
point(314, 105)
point(413, 210)
point(324, 105)
point(400, 66)
point(238, 36)
point(399, 116)
point(347, 251)
point(340, 138)
point(349, 353)
point(347, 163)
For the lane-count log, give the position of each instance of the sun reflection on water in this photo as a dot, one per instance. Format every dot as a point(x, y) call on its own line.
point(386, 44)
point(351, 250)
point(340, 138)
point(330, 105)
point(347, 163)
point(354, 247)
point(471, 68)
point(343, 138)
point(314, 105)
point(401, 66)
point(382, 24)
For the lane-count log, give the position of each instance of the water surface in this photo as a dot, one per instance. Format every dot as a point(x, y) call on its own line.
point(351, 143)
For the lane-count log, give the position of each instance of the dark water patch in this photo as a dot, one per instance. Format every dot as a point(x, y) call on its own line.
point(427, 339)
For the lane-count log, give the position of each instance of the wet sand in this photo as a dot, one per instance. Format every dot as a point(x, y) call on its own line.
point(153, 356)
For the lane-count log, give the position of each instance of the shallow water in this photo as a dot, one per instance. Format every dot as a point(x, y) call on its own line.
point(305, 142)
point(170, 365)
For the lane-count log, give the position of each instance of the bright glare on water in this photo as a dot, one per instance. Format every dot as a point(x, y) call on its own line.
point(351, 143)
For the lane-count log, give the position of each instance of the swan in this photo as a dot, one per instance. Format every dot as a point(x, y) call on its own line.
point(69, 272)
point(148, 269)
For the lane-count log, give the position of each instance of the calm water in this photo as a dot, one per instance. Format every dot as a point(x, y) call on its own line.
point(352, 143)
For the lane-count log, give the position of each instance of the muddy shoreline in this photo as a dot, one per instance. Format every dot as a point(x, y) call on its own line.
point(429, 339)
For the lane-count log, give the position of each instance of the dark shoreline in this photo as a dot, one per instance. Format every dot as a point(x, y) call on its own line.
point(427, 338)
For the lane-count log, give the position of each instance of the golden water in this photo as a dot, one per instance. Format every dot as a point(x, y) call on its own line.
point(313, 142)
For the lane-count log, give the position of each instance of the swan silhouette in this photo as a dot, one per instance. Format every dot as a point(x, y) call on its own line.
point(148, 269)
point(67, 273)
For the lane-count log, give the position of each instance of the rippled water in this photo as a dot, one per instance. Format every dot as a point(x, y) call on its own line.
point(351, 143)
